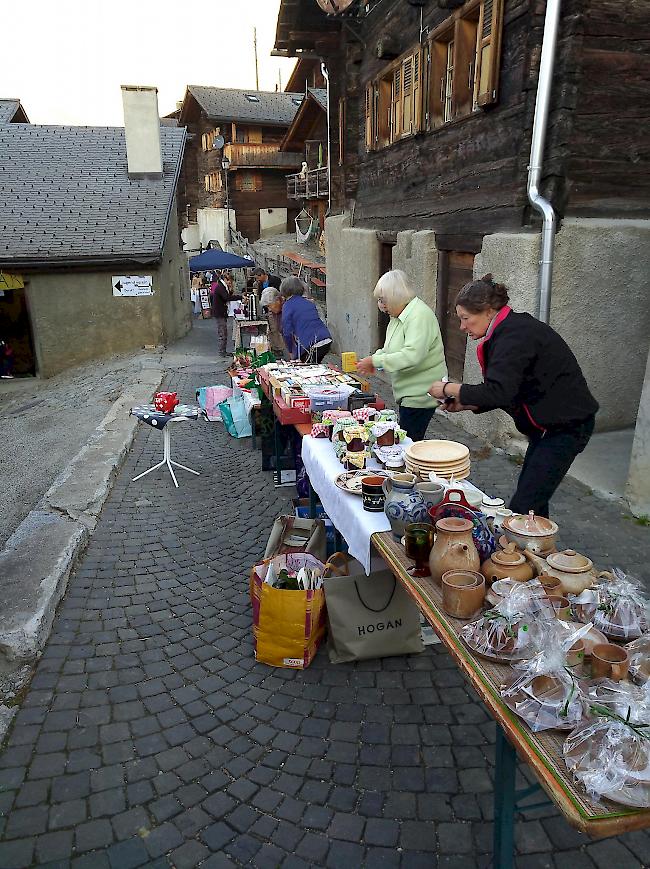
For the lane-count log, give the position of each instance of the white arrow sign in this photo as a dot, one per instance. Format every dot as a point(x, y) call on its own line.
point(132, 285)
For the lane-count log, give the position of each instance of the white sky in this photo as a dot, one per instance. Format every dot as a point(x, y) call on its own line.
point(66, 59)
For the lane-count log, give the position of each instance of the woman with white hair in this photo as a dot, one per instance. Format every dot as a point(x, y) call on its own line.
point(412, 353)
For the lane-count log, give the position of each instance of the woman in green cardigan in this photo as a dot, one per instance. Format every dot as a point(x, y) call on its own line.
point(411, 354)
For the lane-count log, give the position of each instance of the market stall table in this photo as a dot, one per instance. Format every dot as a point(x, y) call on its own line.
point(240, 323)
point(162, 421)
point(542, 751)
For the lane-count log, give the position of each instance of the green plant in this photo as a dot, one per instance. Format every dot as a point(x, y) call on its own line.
point(643, 520)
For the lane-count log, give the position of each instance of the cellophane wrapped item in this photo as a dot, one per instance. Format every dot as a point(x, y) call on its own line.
point(639, 652)
point(544, 691)
point(610, 753)
point(618, 607)
point(509, 630)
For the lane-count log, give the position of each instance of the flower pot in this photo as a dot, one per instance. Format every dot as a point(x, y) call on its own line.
point(463, 593)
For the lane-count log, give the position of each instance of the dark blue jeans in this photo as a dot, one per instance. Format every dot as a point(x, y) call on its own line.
point(414, 420)
point(547, 460)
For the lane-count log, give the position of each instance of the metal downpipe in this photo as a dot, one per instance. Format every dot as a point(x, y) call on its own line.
point(323, 69)
point(539, 203)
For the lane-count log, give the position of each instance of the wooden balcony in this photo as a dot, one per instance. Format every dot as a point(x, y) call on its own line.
point(260, 156)
point(313, 185)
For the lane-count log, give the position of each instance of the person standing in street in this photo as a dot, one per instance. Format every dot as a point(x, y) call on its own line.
point(413, 352)
point(220, 296)
point(529, 372)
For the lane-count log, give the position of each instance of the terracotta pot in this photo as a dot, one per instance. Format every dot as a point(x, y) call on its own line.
point(575, 572)
point(609, 662)
point(454, 548)
point(575, 657)
point(535, 533)
point(463, 593)
point(561, 606)
point(508, 564)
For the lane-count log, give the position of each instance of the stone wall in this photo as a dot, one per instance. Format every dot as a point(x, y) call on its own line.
point(173, 286)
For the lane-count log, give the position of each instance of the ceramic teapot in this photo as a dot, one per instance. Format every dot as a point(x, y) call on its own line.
point(507, 564)
point(454, 548)
point(403, 503)
point(575, 572)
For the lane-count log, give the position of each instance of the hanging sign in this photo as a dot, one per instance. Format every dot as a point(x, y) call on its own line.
point(132, 285)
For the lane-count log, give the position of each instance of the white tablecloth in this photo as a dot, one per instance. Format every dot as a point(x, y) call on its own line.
point(346, 511)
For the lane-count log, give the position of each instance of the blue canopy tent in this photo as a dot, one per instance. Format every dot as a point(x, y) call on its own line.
point(219, 259)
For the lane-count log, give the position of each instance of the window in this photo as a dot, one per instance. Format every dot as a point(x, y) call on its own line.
point(252, 98)
point(207, 139)
point(463, 62)
point(393, 107)
point(213, 182)
point(248, 182)
point(248, 135)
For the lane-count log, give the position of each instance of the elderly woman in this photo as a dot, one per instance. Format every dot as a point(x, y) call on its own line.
point(412, 353)
point(530, 372)
point(271, 304)
point(306, 336)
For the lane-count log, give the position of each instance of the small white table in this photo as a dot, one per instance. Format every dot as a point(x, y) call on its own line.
point(154, 418)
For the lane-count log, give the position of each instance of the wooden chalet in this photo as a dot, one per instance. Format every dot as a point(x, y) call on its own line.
point(307, 136)
point(306, 74)
point(252, 125)
point(431, 116)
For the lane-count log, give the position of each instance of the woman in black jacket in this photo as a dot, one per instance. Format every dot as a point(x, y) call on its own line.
point(530, 372)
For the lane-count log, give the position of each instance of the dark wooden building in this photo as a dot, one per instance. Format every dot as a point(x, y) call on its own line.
point(252, 125)
point(432, 105)
point(307, 136)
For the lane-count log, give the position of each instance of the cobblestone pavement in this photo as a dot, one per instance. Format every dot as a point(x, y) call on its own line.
point(150, 737)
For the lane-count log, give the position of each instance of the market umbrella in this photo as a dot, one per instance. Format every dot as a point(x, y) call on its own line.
point(219, 259)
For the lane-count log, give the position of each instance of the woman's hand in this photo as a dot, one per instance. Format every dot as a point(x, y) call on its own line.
point(442, 389)
point(366, 366)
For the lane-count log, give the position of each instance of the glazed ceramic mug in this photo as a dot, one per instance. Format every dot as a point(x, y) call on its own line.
point(609, 662)
point(372, 494)
point(463, 593)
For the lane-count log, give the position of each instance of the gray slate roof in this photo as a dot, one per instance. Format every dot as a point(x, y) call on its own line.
point(65, 196)
point(321, 96)
point(227, 104)
point(8, 109)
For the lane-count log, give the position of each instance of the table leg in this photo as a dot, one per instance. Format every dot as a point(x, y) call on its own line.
point(504, 802)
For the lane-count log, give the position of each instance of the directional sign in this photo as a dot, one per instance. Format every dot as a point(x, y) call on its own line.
point(132, 285)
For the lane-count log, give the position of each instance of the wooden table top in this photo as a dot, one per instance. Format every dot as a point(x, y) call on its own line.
point(543, 751)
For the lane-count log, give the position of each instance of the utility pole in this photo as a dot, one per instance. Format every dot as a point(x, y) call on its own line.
point(257, 75)
point(280, 80)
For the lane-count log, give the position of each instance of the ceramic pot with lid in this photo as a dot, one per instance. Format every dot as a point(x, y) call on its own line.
point(535, 533)
point(575, 572)
point(507, 564)
point(454, 548)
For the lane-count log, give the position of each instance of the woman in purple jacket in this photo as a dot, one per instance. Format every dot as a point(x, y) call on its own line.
point(306, 336)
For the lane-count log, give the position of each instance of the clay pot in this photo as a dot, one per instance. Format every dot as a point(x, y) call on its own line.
point(508, 564)
point(463, 593)
point(575, 657)
point(575, 572)
point(561, 606)
point(550, 584)
point(609, 662)
point(454, 548)
point(535, 533)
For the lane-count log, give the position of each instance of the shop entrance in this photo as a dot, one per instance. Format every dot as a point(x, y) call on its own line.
point(454, 271)
point(15, 329)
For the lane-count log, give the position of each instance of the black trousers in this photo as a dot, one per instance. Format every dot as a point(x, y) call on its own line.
point(548, 457)
point(414, 420)
point(315, 354)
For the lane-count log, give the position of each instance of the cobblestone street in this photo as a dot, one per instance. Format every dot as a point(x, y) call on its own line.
point(150, 736)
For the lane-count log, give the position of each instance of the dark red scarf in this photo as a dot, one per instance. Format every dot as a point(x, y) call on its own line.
point(480, 348)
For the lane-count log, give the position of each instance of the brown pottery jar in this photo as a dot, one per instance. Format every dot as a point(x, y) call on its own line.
point(507, 564)
point(454, 548)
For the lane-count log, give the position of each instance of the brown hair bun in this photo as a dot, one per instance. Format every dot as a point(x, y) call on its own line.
point(478, 296)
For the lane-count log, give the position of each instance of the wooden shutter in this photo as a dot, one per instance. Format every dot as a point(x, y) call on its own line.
point(370, 112)
point(417, 91)
point(436, 83)
point(407, 96)
point(255, 135)
point(396, 104)
point(488, 51)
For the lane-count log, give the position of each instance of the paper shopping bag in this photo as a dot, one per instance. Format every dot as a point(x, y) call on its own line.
point(288, 626)
point(370, 617)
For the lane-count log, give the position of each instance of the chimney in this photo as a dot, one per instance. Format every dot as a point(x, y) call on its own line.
point(142, 131)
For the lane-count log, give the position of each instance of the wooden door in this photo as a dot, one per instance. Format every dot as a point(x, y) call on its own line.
point(385, 265)
point(455, 269)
